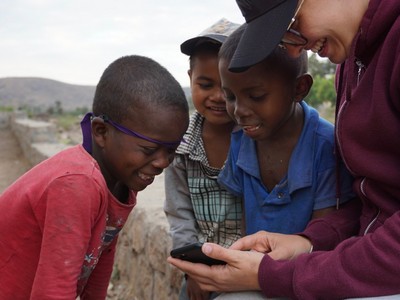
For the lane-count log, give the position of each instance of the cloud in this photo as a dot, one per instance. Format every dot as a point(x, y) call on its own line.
point(74, 40)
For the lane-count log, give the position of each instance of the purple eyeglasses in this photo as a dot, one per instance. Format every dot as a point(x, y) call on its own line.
point(87, 135)
point(138, 135)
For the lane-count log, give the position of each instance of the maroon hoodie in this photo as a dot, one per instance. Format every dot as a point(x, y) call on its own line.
point(366, 256)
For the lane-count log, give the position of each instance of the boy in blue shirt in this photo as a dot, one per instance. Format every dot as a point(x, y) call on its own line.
point(282, 159)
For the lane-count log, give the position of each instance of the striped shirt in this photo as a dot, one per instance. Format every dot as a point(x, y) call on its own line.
point(197, 207)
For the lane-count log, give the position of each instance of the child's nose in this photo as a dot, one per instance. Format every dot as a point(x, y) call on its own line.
point(163, 159)
point(241, 110)
point(218, 95)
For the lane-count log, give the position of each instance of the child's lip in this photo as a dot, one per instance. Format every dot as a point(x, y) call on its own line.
point(218, 108)
point(250, 128)
point(145, 176)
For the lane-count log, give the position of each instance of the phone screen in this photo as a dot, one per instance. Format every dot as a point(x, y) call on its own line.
point(194, 254)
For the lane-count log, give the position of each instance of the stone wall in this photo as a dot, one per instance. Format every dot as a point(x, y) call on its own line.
point(141, 271)
point(4, 120)
point(38, 140)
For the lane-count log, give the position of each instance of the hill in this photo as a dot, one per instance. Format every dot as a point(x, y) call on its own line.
point(41, 94)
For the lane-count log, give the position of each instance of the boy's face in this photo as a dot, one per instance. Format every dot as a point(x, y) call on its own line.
point(132, 161)
point(261, 102)
point(206, 90)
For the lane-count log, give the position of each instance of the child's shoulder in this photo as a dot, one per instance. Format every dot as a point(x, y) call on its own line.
point(73, 160)
point(314, 122)
point(70, 166)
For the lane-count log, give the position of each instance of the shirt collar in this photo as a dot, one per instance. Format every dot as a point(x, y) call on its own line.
point(300, 171)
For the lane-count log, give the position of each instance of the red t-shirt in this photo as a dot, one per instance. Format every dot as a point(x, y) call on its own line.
point(58, 230)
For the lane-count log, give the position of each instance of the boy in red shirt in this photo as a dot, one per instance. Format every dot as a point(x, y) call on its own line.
point(59, 222)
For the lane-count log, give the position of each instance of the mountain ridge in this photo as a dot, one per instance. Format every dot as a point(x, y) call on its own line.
point(42, 94)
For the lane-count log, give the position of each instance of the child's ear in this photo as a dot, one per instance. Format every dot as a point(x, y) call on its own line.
point(99, 132)
point(303, 86)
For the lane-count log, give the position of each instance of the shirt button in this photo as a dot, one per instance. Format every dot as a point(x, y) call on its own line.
point(280, 195)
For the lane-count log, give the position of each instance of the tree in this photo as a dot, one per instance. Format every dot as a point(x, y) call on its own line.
point(321, 67)
point(58, 109)
point(323, 89)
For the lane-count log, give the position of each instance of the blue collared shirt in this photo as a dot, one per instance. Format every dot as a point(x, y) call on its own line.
point(309, 185)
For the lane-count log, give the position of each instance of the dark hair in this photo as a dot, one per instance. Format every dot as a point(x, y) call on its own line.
point(132, 82)
point(278, 61)
point(211, 47)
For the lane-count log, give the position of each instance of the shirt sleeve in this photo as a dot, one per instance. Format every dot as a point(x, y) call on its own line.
point(327, 192)
point(70, 209)
point(358, 266)
point(178, 206)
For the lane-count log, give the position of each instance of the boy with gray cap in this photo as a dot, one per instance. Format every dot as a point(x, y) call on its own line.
point(198, 209)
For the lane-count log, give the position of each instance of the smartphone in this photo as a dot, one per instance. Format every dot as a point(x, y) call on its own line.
point(193, 253)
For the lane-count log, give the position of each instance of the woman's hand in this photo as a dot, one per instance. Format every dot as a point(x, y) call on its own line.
point(243, 259)
point(278, 246)
point(240, 272)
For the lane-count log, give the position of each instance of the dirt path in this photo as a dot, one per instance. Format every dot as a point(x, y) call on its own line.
point(12, 161)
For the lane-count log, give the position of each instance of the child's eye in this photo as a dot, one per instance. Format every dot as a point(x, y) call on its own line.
point(149, 150)
point(257, 97)
point(206, 86)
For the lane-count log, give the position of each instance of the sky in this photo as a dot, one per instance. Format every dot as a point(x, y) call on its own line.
point(73, 41)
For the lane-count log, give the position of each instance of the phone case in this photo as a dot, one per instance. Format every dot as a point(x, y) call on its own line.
point(194, 254)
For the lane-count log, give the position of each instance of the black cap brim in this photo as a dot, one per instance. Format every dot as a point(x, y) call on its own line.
point(261, 36)
point(190, 45)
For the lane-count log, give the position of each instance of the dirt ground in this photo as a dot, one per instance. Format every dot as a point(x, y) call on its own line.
point(12, 161)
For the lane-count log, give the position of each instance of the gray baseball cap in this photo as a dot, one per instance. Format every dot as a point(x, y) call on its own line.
point(216, 33)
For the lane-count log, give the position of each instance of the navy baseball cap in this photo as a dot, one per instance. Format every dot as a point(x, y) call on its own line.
point(216, 33)
point(267, 22)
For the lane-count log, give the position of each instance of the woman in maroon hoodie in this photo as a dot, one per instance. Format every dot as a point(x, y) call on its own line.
point(355, 252)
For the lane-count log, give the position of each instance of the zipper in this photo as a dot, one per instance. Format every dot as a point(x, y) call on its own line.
point(346, 90)
point(337, 134)
point(361, 66)
point(372, 222)
point(377, 214)
point(362, 188)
